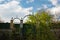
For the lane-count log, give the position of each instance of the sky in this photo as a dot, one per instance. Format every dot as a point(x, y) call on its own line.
point(20, 8)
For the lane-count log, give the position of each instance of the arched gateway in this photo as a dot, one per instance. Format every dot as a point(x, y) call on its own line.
point(21, 21)
point(11, 22)
point(21, 25)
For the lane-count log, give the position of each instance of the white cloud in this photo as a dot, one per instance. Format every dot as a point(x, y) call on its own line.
point(43, 7)
point(29, 1)
point(11, 9)
point(16, 0)
point(6, 1)
point(38, 8)
point(1, 0)
point(55, 11)
point(54, 2)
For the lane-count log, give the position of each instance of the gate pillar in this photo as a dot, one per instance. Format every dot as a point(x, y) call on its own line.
point(11, 23)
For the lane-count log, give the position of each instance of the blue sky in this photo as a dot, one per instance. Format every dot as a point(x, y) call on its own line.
point(31, 3)
point(20, 8)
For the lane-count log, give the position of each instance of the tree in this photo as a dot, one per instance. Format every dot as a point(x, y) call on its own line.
point(43, 25)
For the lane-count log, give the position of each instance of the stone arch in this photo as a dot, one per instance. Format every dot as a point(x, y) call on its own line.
point(37, 23)
point(11, 22)
point(30, 15)
point(32, 28)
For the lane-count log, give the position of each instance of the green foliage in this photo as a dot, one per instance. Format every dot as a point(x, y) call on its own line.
point(42, 21)
point(29, 32)
point(4, 26)
point(37, 28)
point(42, 17)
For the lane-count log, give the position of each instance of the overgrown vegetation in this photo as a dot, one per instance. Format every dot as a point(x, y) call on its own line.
point(43, 22)
point(37, 27)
